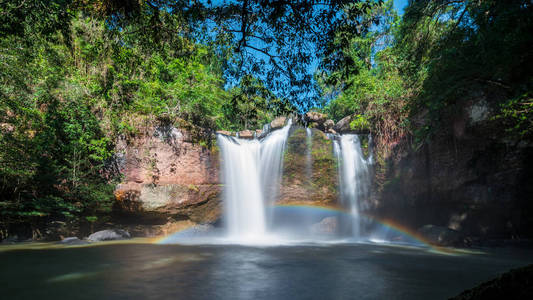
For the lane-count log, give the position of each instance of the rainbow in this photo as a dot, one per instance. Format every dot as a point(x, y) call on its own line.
point(165, 238)
point(387, 224)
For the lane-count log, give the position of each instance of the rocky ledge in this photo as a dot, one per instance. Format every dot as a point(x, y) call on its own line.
point(168, 176)
point(515, 284)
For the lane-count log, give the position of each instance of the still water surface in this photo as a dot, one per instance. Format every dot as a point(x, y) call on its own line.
point(148, 271)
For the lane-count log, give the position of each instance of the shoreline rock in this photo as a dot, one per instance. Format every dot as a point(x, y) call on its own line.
point(109, 235)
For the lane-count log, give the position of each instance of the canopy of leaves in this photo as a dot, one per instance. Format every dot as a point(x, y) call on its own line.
point(412, 74)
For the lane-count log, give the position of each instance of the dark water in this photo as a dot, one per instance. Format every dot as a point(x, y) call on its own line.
point(146, 271)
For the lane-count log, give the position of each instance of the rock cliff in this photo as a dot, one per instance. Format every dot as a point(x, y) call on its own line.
point(167, 177)
point(309, 169)
point(471, 177)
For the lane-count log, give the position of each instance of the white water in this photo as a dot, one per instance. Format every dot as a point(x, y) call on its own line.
point(251, 173)
point(308, 155)
point(354, 179)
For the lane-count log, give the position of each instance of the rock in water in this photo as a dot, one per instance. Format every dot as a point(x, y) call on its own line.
point(72, 241)
point(515, 284)
point(326, 226)
point(442, 236)
point(109, 235)
point(197, 231)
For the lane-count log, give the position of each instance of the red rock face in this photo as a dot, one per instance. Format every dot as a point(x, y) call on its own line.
point(171, 160)
point(166, 174)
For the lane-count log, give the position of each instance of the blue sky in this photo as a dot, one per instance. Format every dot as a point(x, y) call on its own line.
point(400, 5)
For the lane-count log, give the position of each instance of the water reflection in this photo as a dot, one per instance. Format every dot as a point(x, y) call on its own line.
point(142, 271)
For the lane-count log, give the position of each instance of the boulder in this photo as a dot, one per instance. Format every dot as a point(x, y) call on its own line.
point(442, 236)
point(315, 120)
point(328, 225)
point(515, 284)
point(316, 117)
point(343, 125)
point(246, 134)
point(56, 230)
point(278, 122)
point(328, 125)
point(109, 235)
point(11, 239)
point(197, 231)
point(72, 241)
point(224, 132)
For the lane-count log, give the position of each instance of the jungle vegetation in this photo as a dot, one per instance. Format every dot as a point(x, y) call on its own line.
point(76, 74)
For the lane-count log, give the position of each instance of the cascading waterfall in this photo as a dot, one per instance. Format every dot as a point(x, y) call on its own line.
point(354, 179)
point(252, 173)
point(308, 157)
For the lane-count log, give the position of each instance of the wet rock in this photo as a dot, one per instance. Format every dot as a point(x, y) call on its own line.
point(154, 204)
point(328, 125)
point(197, 230)
point(224, 132)
point(442, 236)
point(56, 230)
point(309, 170)
point(12, 239)
point(315, 119)
point(479, 112)
point(246, 134)
point(72, 241)
point(109, 235)
point(278, 122)
point(343, 125)
point(515, 284)
point(328, 225)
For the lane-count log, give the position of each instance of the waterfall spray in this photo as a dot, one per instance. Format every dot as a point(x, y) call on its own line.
point(252, 174)
point(308, 155)
point(354, 179)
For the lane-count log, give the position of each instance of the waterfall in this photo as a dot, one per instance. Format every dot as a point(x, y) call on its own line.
point(308, 155)
point(354, 179)
point(251, 171)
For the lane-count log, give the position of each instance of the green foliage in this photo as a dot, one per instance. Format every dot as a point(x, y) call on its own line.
point(415, 73)
point(449, 48)
point(251, 105)
point(517, 115)
point(370, 86)
point(359, 122)
point(71, 82)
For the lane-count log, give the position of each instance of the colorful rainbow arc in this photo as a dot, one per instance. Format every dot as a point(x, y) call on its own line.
point(387, 223)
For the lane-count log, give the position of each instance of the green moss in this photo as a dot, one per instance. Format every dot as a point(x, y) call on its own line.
point(192, 187)
point(321, 186)
point(360, 122)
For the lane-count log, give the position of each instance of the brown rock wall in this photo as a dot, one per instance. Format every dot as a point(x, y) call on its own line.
point(167, 175)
